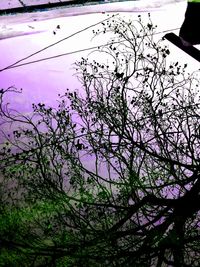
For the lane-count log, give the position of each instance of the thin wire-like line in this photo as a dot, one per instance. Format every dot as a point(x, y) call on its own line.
point(15, 65)
point(53, 44)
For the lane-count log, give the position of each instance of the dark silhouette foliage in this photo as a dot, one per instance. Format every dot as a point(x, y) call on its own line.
point(112, 176)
